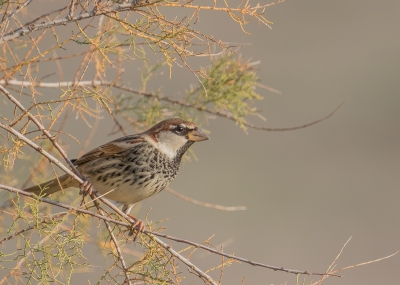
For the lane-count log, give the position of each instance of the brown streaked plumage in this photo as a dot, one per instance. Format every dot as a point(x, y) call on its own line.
point(132, 168)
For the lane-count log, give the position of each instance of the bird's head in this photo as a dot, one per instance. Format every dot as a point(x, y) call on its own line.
point(174, 136)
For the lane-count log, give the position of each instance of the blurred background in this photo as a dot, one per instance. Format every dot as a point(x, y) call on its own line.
point(306, 191)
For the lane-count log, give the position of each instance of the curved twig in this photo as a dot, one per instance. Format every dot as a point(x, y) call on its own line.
point(204, 204)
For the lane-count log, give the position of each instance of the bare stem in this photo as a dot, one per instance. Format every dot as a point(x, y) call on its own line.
point(204, 204)
point(116, 244)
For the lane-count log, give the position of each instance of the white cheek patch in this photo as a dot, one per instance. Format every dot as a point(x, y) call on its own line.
point(169, 143)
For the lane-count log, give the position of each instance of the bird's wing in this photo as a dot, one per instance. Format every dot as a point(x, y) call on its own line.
point(112, 148)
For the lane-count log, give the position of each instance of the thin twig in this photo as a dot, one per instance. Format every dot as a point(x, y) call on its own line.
point(348, 267)
point(19, 8)
point(204, 204)
point(45, 15)
point(26, 255)
point(72, 8)
point(117, 247)
point(254, 263)
point(183, 259)
point(333, 262)
point(45, 220)
point(367, 262)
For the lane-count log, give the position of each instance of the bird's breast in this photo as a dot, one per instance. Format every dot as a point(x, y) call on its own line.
point(134, 175)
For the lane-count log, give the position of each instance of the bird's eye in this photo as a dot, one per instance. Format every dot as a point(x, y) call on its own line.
point(180, 129)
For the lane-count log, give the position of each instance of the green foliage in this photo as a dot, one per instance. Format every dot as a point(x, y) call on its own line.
point(155, 266)
point(50, 250)
point(229, 88)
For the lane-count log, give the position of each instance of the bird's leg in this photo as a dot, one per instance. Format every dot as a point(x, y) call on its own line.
point(86, 187)
point(138, 225)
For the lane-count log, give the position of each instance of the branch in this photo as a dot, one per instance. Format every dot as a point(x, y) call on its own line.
point(41, 151)
point(98, 10)
point(254, 263)
point(183, 259)
point(42, 128)
point(204, 204)
point(30, 252)
point(225, 115)
point(19, 8)
point(331, 266)
point(45, 220)
point(117, 248)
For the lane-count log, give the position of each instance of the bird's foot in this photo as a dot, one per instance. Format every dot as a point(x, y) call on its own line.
point(86, 187)
point(138, 225)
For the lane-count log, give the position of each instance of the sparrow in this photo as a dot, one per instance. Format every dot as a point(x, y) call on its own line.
point(132, 168)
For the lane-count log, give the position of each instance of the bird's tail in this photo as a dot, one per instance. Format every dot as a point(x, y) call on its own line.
point(53, 186)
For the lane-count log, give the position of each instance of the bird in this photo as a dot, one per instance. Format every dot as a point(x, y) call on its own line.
point(131, 168)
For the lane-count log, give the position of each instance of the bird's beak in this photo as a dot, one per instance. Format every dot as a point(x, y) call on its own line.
point(197, 135)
